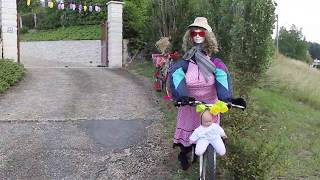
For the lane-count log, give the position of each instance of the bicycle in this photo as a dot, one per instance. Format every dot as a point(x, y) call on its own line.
point(208, 161)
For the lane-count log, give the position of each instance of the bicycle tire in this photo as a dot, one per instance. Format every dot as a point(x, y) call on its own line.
point(163, 85)
point(209, 166)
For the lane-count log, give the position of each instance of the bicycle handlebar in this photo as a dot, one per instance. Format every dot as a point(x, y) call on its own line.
point(194, 103)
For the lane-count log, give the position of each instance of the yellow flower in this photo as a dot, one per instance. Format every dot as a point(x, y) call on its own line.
point(200, 108)
point(218, 107)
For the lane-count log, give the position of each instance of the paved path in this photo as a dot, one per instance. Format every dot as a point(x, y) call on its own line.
point(70, 120)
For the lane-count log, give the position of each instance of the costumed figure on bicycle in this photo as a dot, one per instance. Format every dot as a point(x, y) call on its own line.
point(162, 62)
point(200, 76)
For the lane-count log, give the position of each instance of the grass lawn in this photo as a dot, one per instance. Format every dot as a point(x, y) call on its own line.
point(89, 32)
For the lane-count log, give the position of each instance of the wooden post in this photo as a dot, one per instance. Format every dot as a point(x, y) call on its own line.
point(104, 45)
point(18, 37)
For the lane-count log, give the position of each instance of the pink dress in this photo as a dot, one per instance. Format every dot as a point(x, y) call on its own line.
point(188, 119)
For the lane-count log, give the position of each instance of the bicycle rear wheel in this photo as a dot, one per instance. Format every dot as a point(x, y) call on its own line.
point(208, 164)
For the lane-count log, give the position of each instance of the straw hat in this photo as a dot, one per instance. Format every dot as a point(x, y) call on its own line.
point(201, 22)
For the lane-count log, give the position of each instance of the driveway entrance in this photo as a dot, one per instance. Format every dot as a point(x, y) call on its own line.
point(68, 119)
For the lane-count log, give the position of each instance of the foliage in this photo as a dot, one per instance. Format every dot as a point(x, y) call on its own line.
point(27, 21)
point(168, 19)
point(134, 22)
point(257, 158)
point(24, 30)
point(88, 32)
point(251, 46)
point(292, 43)
point(24, 9)
point(314, 50)
point(10, 73)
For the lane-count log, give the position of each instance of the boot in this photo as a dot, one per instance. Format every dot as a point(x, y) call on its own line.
point(183, 158)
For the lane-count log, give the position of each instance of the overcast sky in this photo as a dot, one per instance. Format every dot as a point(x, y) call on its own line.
point(304, 14)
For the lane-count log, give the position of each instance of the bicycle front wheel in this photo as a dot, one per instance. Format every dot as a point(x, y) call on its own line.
point(209, 164)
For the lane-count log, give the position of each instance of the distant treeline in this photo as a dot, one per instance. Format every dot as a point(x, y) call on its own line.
point(292, 43)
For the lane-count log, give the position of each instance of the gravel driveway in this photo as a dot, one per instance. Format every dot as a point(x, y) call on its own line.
point(68, 119)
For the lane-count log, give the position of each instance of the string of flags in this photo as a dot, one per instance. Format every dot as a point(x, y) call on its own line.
point(61, 5)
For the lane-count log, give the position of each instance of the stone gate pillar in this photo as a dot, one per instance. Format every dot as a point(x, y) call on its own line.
point(8, 19)
point(115, 33)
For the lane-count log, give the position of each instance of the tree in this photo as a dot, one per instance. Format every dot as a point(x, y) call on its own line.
point(34, 8)
point(292, 43)
point(314, 50)
point(169, 18)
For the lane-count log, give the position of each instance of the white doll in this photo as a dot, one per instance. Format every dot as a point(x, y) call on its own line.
point(208, 133)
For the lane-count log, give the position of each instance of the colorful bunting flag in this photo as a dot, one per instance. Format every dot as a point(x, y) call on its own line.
point(43, 3)
point(50, 4)
point(97, 8)
point(61, 5)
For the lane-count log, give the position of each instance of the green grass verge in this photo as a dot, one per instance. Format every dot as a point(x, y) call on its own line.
point(89, 32)
point(288, 105)
point(145, 69)
point(10, 73)
point(297, 79)
point(295, 127)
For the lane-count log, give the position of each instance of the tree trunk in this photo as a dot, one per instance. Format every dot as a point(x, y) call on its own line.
point(35, 20)
point(20, 20)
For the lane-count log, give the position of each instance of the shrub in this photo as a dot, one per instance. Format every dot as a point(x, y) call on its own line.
point(24, 30)
point(27, 21)
point(10, 73)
